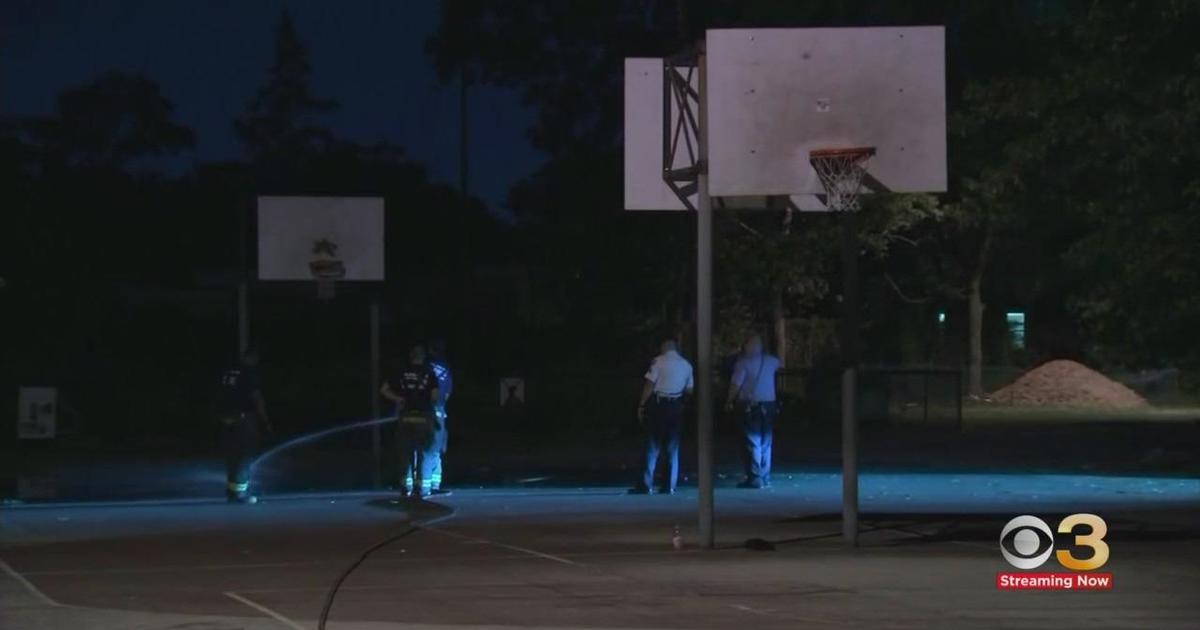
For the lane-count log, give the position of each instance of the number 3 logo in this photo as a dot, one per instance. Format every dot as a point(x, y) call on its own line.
point(1093, 539)
point(1026, 542)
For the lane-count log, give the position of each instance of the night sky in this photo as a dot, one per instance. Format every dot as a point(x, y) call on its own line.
point(209, 58)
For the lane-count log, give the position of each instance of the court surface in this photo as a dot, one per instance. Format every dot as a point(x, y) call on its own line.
point(597, 558)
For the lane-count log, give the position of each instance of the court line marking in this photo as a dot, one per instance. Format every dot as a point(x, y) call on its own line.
point(29, 586)
point(266, 611)
point(175, 568)
point(317, 563)
point(748, 609)
point(531, 552)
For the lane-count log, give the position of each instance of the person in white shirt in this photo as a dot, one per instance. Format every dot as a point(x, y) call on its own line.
point(752, 395)
point(661, 410)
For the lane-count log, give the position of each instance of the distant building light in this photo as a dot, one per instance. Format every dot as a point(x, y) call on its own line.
point(941, 317)
point(1016, 327)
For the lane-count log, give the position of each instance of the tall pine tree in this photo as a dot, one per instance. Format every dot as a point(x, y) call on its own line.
point(281, 123)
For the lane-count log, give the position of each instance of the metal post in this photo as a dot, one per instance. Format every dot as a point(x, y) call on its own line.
point(958, 399)
point(376, 379)
point(243, 321)
point(925, 383)
point(850, 344)
point(704, 322)
point(243, 288)
point(463, 130)
point(849, 457)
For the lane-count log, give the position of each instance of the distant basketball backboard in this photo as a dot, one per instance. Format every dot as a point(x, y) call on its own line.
point(773, 95)
point(314, 238)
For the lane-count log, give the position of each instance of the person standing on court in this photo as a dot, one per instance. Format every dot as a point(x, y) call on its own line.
point(661, 410)
point(752, 397)
point(243, 414)
point(441, 369)
point(414, 389)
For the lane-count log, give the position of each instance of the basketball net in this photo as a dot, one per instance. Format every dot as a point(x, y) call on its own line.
point(327, 273)
point(841, 172)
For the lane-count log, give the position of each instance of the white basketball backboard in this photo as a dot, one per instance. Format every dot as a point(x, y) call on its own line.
point(644, 185)
point(775, 94)
point(295, 231)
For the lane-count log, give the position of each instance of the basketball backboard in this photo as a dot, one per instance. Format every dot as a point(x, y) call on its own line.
point(773, 95)
point(776, 94)
point(307, 238)
point(644, 185)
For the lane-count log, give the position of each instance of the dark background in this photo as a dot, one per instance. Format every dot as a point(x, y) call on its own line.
point(135, 135)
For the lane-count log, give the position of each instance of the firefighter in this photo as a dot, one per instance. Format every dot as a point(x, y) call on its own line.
point(243, 416)
point(415, 391)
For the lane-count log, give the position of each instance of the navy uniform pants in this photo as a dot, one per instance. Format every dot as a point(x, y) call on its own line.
point(239, 442)
point(664, 419)
point(758, 430)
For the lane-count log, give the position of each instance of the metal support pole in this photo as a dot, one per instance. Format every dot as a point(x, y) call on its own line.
point(704, 323)
point(463, 139)
point(243, 306)
point(958, 399)
point(849, 457)
point(925, 383)
point(243, 288)
point(850, 350)
point(376, 431)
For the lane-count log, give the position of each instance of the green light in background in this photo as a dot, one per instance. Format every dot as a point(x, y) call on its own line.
point(1016, 327)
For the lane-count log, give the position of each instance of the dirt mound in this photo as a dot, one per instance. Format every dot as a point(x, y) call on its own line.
point(1068, 384)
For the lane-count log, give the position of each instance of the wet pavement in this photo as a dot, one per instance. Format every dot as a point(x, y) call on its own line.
point(597, 557)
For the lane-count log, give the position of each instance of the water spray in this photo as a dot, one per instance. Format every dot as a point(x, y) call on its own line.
point(310, 437)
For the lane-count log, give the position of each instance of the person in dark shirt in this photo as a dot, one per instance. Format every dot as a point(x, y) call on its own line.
point(415, 391)
point(243, 414)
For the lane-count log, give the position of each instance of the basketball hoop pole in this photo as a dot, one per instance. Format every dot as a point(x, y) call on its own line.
point(376, 379)
point(850, 329)
point(841, 171)
point(243, 287)
point(704, 314)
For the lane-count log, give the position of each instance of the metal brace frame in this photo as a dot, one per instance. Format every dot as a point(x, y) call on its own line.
point(681, 126)
point(681, 138)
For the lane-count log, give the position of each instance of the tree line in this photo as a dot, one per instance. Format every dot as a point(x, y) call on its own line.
point(1072, 147)
point(1074, 192)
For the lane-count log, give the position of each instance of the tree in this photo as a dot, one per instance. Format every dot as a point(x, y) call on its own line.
point(1007, 64)
point(1132, 118)
point(76, 166)
point(280, 123)
point(110, 123)
point(566, 59)
point(1092, 152)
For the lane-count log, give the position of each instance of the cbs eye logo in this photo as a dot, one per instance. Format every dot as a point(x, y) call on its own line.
point(1026, 542)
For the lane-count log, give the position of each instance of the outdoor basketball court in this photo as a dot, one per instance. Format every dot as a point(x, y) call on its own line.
point(782, 119)
point(598, 558)
point(791, 120)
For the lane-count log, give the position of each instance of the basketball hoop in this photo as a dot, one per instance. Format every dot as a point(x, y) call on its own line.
point(327, 273)
point(841, 172)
